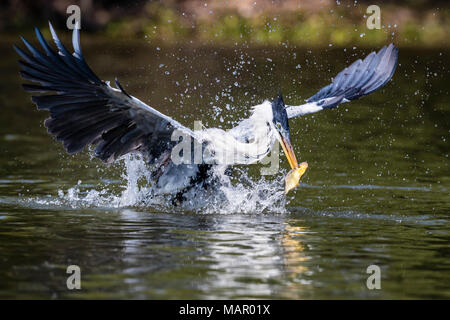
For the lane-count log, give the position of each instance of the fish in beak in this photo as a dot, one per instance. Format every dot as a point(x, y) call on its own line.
point(293, 177)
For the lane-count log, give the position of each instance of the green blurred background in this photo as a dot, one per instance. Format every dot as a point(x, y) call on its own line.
point(298, 22)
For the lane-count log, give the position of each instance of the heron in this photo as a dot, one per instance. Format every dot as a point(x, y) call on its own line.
point(85, 110)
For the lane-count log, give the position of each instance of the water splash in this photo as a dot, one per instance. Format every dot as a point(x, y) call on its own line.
point(244, 196)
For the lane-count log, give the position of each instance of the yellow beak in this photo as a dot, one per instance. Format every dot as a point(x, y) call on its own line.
point(289, 152)
point(293, 177)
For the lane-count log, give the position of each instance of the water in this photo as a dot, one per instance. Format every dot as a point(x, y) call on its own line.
point(376, 191)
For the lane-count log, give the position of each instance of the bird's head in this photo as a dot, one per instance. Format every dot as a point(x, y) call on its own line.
point(280, 124)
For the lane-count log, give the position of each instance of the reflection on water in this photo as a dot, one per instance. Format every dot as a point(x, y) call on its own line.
point(376, 192)
point(129, 253)
point(294, 250)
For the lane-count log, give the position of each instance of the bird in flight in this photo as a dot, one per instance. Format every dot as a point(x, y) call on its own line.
point(85, 110)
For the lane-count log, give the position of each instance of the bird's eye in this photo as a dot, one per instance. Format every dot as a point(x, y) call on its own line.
point(278, 125)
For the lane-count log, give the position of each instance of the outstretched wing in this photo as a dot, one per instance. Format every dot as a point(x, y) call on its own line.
point(86, 110)
point(359, 79)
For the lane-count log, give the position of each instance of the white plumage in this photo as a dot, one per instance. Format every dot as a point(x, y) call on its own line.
point(250, 141)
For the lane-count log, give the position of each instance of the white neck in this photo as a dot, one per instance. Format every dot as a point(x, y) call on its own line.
point(250, 141)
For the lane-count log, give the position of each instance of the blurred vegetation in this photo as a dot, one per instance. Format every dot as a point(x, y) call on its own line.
point(302, 23)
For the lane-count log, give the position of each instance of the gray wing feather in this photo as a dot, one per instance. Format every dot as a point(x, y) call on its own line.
point(359, 79)
point(86, 110)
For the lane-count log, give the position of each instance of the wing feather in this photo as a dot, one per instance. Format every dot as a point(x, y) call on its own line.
point(86, 110)
point(361, 78)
